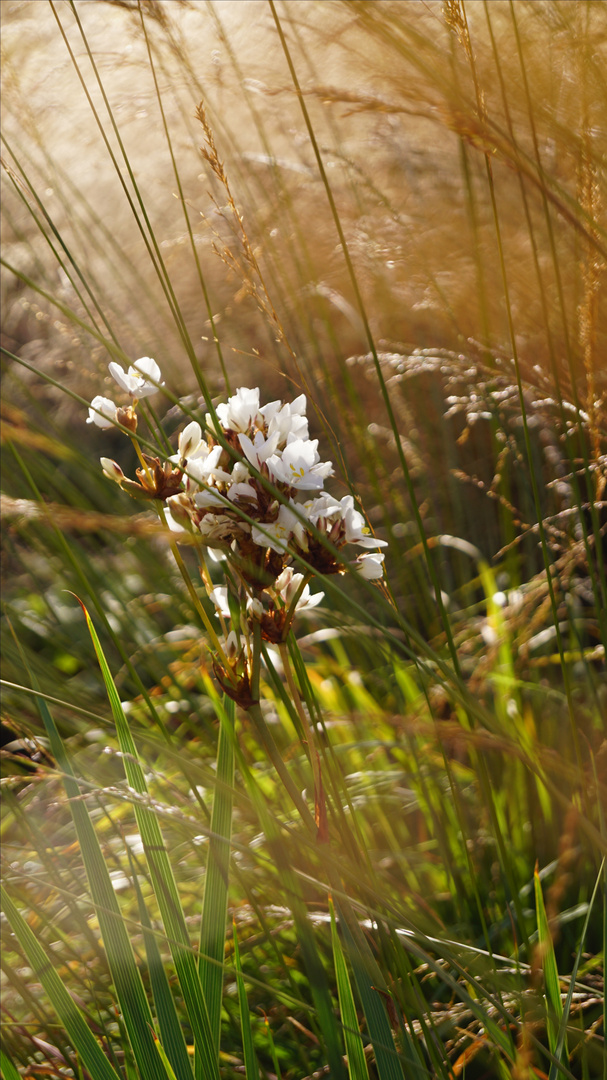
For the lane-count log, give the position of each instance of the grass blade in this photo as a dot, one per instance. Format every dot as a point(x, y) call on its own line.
point(357, 1063)
point(125, 973)
point(215, 904)
point(250, 1058)
point(567, 1005)
point(367, 977)
point(551, 976)
point(68, 1012)
point(163, 1057)
point(168, 1022)
point(7, 1069)
point(162, 877)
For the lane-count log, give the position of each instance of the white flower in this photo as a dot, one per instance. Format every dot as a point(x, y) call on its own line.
point(240, 411)
point(190, 442)
point(255, 608)
point(219, 596)
point(105, 416)
point(242, 491)
point(233, 644)
point(277, 534)
point(323, 509)
point(210, 468)
point(289, 422)
point(136, 381)
point(195, 474)
point(240, 473)
point(300, 466)
point(369, 566)
point(308, 600)
point(180, 508)
point(357, 531)
point(259, 450)
point(287, 584)
point(112, 470)
point(203, 468)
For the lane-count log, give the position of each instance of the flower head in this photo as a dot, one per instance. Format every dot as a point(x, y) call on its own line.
point(136, 381)
point(299, 466)
point(240, 411)
point(288, 422)
point(102, 412)
point(370, 566)
point(289, 584)
point(252, 492)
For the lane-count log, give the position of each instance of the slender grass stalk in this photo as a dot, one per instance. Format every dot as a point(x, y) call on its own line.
point(250, 1058)
point(215, 906)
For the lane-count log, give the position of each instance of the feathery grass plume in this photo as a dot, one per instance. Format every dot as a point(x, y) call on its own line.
point(379, 759)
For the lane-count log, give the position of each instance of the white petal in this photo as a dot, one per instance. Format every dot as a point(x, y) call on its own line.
point(190, 440)
point(128, 383)
point(202, 499)
point(106, 408)
point(242, 491)
point(149, 369)
point(219, 596)
point(370, 566)
point(173, 525)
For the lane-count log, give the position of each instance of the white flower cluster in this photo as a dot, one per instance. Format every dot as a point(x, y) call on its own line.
point(221, 486)
point(251, 489)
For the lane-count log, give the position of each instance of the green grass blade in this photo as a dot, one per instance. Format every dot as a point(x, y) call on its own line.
point(560, 1044)
point(121, 960)
point(317, 978)
point(7, 1069)
point(68, 1012)
point(215, 904)
point(163, 1057)
point(551, 976)
point(168, 1022)
point(357, 1063)
point(367, 977)
point(250, 1058)
point(163, 880)
point(273, 1053)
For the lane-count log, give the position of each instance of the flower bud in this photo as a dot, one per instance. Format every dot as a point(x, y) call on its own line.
point(112, 470)
point(255, 608)
point(189, 440)
point(128, 418)
point(180, 506)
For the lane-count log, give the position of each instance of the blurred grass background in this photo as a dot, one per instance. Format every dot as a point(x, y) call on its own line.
point(463, 724)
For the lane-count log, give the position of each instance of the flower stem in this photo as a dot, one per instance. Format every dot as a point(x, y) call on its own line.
point(195, 598)
point(256, 661)
point(301, 712)
point(256, 716)
point(144, 466)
